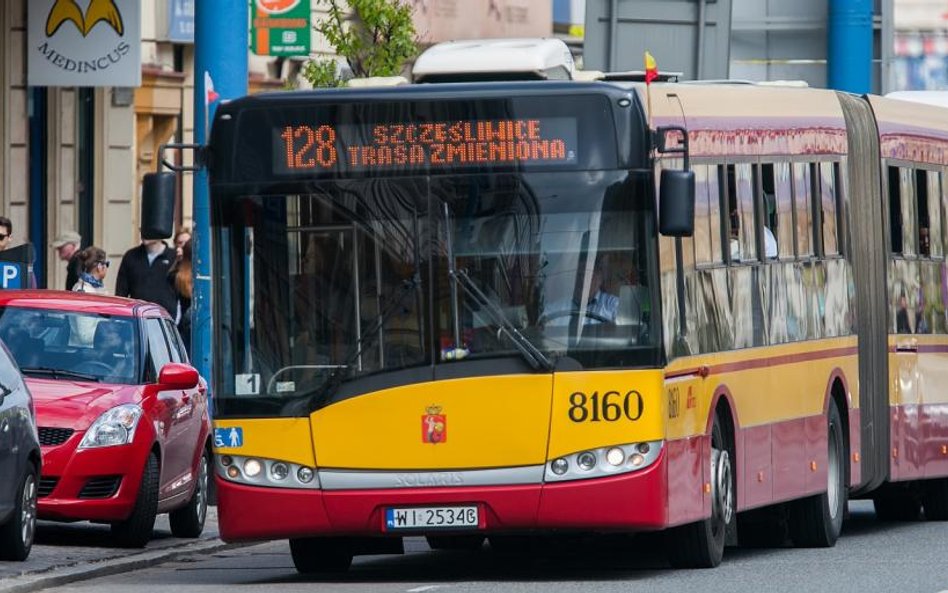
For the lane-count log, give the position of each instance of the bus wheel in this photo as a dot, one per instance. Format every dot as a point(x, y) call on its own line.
point(816, 521)
point(897, 507)
point(455, 542)
point(935, 500)
point(701, 544)
point(321, 555)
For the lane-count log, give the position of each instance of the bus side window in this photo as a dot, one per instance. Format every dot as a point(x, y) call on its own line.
point(801, 207)
point(704, 253)
point(907, 192)
point(707, 237)
point(769, 211)
point(936, 230)
point(924, 212)
point(895, 210)
point(742, 236)
point(829, 207)
point(783, 196)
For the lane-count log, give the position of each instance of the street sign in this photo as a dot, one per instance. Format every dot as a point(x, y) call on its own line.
point(280, 27)
point(98, 45)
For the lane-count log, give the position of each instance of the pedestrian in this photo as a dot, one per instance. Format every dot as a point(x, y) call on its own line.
point(181, 237)
point(143, 274)
point(94, 265)
point(6, 231)
point(67, 249)
point(181, 279)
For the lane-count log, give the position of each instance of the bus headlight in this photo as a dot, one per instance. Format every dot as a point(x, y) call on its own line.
point(252, 468)
point(559, 466)
point(279, 471)
point(272, 473)
point(619, 459)
point(586, 460)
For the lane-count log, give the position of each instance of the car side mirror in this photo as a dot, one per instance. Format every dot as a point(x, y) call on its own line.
point(676, 203)
point(176, 375)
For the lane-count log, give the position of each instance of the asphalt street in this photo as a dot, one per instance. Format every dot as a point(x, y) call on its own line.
point(871, 557)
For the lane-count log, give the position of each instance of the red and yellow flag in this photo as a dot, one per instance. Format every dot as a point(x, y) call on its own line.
point(651, 68)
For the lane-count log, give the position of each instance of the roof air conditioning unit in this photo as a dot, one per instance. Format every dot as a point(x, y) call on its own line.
point(495, 59)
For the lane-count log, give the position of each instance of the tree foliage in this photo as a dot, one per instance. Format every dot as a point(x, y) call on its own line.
point(376, 37)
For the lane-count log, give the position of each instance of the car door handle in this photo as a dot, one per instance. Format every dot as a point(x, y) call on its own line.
point(5, 425)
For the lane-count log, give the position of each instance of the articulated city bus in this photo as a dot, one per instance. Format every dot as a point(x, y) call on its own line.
point(484, 310)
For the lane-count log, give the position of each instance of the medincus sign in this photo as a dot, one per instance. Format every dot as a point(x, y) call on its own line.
point(84, 42)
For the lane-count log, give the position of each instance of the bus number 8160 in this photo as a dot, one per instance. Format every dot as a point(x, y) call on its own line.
point(611, 406)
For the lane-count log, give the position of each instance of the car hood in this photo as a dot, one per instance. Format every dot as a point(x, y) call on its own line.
point(76, 404)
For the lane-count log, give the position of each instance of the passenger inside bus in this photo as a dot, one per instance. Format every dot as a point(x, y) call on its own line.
point(601, 306)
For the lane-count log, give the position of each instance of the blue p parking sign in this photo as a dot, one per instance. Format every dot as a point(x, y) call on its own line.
point(10, 275)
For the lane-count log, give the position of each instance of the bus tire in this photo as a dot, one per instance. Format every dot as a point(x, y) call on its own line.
point(897, 507)
point(935, 500)
point(817, 521)
point(701, 544)
point(321, 555)
point(464, 543)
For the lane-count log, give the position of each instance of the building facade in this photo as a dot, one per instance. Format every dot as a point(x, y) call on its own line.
point(72, 158)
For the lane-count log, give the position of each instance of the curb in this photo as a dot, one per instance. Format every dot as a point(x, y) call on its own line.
point(57, 576)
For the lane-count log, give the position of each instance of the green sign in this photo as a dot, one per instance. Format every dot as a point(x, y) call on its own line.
point(280, 27)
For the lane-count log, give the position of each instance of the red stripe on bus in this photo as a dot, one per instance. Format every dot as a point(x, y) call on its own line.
point(770, 361)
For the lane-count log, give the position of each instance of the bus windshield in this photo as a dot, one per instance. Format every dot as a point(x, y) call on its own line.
point(358, 278)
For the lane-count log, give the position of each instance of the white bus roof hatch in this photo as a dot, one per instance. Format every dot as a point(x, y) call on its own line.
point(495, 59)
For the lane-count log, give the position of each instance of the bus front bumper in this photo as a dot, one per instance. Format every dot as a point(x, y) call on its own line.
point(629, 502)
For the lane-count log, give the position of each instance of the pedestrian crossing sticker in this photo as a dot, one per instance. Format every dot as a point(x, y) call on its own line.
point(231, 437)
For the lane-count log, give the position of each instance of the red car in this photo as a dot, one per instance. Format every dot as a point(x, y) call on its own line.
point(122, 416)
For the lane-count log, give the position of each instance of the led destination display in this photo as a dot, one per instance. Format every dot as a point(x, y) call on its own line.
point(319, 147)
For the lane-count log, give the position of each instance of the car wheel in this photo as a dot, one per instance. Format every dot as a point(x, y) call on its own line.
point(16, 536)
point(188, 521)
point(135, 532)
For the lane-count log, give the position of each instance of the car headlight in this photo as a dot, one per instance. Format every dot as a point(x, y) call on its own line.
point(114, 427)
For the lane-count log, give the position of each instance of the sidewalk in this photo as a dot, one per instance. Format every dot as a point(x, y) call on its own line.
point(69, 552)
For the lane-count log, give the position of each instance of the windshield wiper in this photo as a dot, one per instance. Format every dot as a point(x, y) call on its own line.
point(59, 373)
point(389, 307)
point(533, 355)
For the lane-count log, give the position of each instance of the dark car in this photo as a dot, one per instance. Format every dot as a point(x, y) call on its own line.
point(19, 462)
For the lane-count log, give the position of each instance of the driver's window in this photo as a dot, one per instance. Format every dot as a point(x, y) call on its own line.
point(158, 354)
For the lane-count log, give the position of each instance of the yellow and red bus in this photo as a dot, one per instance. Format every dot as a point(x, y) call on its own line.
point(483, 309)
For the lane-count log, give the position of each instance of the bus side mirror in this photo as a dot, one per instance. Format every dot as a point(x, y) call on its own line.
point(158, 190)
point(676, 203)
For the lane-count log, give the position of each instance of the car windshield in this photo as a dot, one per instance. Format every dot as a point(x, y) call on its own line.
point(73, 346)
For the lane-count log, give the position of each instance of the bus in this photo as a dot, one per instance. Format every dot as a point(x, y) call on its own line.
point(479, 307)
